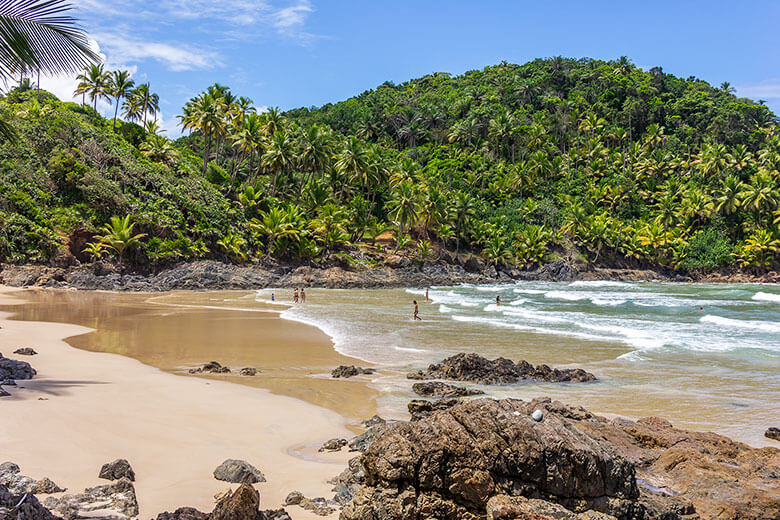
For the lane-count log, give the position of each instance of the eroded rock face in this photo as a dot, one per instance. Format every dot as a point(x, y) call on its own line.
point(350, 371)
point(18, 484)
point(116, 500)
point(477, 459)
point(183, 513)
point(501, 371)
point(439, 389)
point(212, 367)
point(244, 503)
point(420, 409)
point(238, 472)
point(20, 507)
point(116, 470)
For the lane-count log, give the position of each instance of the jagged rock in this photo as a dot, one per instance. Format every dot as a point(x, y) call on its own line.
point(557, 271)
point(293, 498)
point(9, 468)
point(222, 494)
point(333, 445)
point(248, 372)
point(373, 421)
point(243, 504)
point(46, 486)
point(350, 371)
point(348, 482)
point(439, 389)
point(365, 439)
point(504, 507)
point(772, 433)
point(116, 470)
point(25, 351)
point(3, 393)
point(116, 500)
point(13, 369)
point(212, 367)
point(276, 514)
point(238, 472)
point(420, 409)
point(22, 507)
point(319, 506)
point(183, 513)
point(501, 371)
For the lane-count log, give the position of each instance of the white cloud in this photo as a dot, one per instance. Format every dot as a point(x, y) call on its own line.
point(769, 89)
point(292, 17)
point(178, 57)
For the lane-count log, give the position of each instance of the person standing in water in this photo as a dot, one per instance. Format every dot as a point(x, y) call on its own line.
point(498, 300)
point(303, 295)
point(295, 295)
point(273, 298)
point(426, 295)
point(416, 311)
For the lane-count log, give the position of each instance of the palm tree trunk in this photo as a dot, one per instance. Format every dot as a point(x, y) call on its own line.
point(116, 111)
point(206, 150)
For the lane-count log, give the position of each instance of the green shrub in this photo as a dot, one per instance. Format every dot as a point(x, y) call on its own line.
point(708, 250)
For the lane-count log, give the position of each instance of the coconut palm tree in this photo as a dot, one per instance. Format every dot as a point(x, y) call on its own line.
point(148, 102)
point(118, 235)
point(40, 35)
point(204, 113)
point(95, 82)
point(119, 86)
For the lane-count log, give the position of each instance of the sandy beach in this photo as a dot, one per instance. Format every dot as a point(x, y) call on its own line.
point(174, 430)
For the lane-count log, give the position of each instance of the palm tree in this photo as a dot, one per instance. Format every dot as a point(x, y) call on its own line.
point(351, 163)
point(39, 35)
point(95, 82)
point(279, 156)
point(119, 86)
point(204, 113)
point(118, 235)
point(248, 139)
point(148, 102)
point(404, 207)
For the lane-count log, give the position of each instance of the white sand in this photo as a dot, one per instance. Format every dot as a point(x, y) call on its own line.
point(173, 430)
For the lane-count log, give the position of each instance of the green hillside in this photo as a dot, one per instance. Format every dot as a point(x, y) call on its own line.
point(584, 160)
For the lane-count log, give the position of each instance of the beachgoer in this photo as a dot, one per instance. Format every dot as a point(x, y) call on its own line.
point(426, 295)
point(273, 298)
point(295, 295)
point(416, 311)
point(303, 295)
point(498, 301)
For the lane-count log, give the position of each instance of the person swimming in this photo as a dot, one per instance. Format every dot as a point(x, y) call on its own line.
point(416, 311)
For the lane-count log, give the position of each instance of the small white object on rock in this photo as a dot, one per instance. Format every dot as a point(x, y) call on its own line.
point(537, 415)
point(516, 413)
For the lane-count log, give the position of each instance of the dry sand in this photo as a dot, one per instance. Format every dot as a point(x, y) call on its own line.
point(174, 430)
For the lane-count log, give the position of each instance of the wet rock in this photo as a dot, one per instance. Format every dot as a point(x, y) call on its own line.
point(212, 367)
point(365, 439)
point(350, 371)
point(333, 445)
point(183, 513)
point(243, 504)
point(348, 482)
point(420, 409)
point(501, 371)
point(294, 498)
point(772, 433)
point(238, 472)
point(248, 372)
point(46, 486)
point(557, 271)
point(438, 389)
point(319, 506)
point(22, 506)
point(25, 351)
point(115, 501)
point(116, 470)
point(13, 369)
point(373, 421)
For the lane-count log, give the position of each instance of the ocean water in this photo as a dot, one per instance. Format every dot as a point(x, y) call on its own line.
point(705, 356)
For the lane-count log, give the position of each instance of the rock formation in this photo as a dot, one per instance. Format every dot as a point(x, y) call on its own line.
point(350, 371)
point(439, 389)
point(25, 351)
point(239, 472)
point(212, 367)
point(116, 470)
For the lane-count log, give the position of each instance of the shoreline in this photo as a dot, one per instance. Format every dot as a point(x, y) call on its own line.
point(213, 275)
point(173, 430)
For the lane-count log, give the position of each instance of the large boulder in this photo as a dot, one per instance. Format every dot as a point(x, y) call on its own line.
point(350, 371)
point(501, 371)
point(772, 433)
point(13, 369)
point(238, 472)
point(243, 504)
point(116, 470)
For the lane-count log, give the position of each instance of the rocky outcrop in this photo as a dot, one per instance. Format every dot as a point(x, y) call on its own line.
point(348, 482)
point(116, 470)
point(13, 369)
point(772, 433)
point(350, 371)
point(22, 506)
point(439, 389)
point(238, 472)
point(420, 409)
point(489, 459)
point(116, 501)
point(367, 438)
point(333, 445)
point(12, 478)
point(25, 351)
point(241, 504)
point(212, 367)
point(183, 513)
point(474, 368)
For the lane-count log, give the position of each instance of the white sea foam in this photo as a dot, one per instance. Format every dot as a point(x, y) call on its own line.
point(741, 324)
point(598, 283)
point(606, 301)
point(562, 295)
point(408, 349)
point(445, 310)
point(766, 297)
point(517, 302)
point(528, 291)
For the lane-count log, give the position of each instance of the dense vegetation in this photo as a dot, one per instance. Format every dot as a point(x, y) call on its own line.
point(577, 159)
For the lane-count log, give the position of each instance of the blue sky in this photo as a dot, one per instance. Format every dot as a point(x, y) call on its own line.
point(291, 53)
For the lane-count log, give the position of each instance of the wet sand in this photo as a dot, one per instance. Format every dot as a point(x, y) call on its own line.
point(174, 430)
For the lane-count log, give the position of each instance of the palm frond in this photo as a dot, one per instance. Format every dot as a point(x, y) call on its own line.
point(39, 35)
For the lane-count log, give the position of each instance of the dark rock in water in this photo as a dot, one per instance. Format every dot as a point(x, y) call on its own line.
point(501, 371)
point(116, 470)
point(242, 504)
point(248, 372)
point(212, 367)
point(333, 445)
point(22, 507)
point(13, 369)
point(26, 351)
point(417, 375)
point(183, 513)
point(438, 389)
point(420, 409)
point(482, 456)
point(772, 433)
point(294, 498)
point(115, 501)
point(350, 371)
point(238, 472)
point(373, 421)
